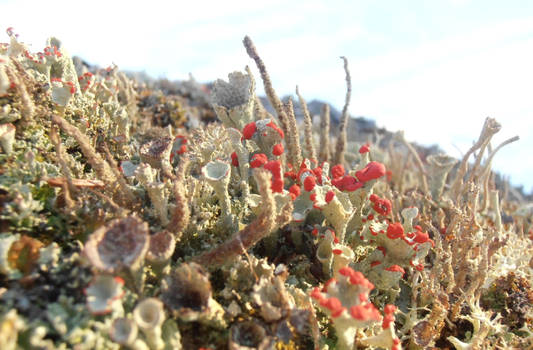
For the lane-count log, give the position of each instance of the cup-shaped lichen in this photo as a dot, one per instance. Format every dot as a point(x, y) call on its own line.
point(248, 335)
point(120, 244)
point(123, 331)
point(217, 174)
point(234, 101)
point(162, 245)
point(156, 152)
point(187, 292)
point(104, 294)
point(149, 315)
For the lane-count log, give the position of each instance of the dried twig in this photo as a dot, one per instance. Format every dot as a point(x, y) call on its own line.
point(324, 134)
point(341, 138)
point(308, 128)
point(269, 90)
point(285, 121)
point(490, 127)
point(28, 107)
point(182, 213)
point(102, 168)
point(67, 186)
point(293, 138)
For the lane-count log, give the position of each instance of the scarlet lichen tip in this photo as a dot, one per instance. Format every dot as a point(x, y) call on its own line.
point(371, 171)
point(396, 268)
point(318, 173)
point(337, 251)
point(389, 318)
point(356, 277)
point(277, 150)
point(363, 297)
point(274, 166)
point(423, 237)
point(234, 159)
point(335, 239)
point(334, 305)
point(329, 196)
point(294, 191)
point(316, 294)
point(365, 312)
point(275, 127)
point(381, 205)
point(249, 130)
point(375, 263)
point(314, 232)
point(328, 282)
point(258, 160)
point(395, 231)
point(309, 183)
point(390, 309)
point(397, 344)
point(337, 171)
point(364, 148)
point(290, 175)
point(347, 183)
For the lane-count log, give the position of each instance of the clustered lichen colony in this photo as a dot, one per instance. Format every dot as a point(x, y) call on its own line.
point(122, 226)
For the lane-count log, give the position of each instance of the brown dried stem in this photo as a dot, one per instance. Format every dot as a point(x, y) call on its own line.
point(341, 138)
point(182, 212)
point(274, 100)
point(308, 128)
point(28, 107)
point(68, 187)
point(324, 134)
point(103, 170)
point(293, 137)
point(490, 127)
point(269, 90)
point(485, 174)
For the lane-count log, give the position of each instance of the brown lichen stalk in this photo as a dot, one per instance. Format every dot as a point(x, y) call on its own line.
point(308, 128)
point(341, 138)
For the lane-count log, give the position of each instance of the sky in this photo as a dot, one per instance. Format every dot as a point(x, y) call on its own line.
point(435, 69)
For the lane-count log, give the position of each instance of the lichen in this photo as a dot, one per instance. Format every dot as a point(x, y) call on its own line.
point(161, 215)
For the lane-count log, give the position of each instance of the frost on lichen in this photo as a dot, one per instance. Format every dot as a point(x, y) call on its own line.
point(163, 215)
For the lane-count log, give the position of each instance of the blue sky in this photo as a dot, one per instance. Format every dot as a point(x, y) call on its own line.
point(435, 69)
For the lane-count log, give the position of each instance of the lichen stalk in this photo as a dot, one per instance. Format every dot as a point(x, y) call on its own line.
point(341, 137)
point(293, 137)
point(324, 154)
point(308, 128)
point(181, 213)
point(271, 93)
